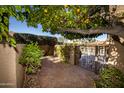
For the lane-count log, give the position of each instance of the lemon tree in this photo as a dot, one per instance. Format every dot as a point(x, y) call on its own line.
point(68, 20)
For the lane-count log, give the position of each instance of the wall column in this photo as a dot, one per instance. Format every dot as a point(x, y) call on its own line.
point(7, 66)
point(77, 54)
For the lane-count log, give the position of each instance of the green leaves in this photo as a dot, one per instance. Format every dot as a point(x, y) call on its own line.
point(29, 70)
point(12, 42)
point(6, 20)
point(31, 58)
point(1, 27)
point(54, 18)
point(19, 8)
point(110, 77)
point(5, 13)
point(63, 51)
point(0, 38)
point(0, 18)
point(64, 17)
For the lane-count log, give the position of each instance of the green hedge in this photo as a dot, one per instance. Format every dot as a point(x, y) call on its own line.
point(63, 51)
point(30, 58)
point(110, 77)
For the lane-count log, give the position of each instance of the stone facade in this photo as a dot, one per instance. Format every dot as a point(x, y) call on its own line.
point(116, 55)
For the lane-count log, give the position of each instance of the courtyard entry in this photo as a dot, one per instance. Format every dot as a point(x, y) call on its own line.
point(94, 56)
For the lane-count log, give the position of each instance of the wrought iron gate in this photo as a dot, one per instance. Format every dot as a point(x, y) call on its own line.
point(93, 58)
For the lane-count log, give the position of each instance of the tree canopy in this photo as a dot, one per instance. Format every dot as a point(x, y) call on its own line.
point(57, 19)
point(70, 21)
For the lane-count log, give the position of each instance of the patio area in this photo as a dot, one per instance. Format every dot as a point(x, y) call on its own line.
point(54, 74)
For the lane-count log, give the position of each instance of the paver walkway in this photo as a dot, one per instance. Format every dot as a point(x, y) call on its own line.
point(55, 74)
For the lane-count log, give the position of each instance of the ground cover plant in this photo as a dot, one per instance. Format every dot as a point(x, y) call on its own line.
point(110, 77)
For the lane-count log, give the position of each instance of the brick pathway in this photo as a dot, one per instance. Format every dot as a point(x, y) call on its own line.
point(55, 74)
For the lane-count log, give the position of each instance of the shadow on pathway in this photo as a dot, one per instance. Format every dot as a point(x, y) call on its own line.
point(55, 74)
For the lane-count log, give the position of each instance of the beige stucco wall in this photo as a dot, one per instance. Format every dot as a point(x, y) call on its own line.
point(116, 55)
point(19, 67)
point(48, 50)
point(7, 66)
point(11, 72)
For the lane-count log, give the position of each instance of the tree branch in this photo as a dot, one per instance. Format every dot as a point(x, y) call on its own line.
point(117, 30)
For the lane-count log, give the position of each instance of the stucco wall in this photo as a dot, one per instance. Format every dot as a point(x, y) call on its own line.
point(19, 67)
point(77, 55)
point(116, 55)
point(7, 66)
point(11, 72)
point(72, 55)
point(48, 50)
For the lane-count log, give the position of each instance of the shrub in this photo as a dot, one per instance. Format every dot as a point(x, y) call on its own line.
point(110, 77)
point(62, 51)
point(30, 58)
